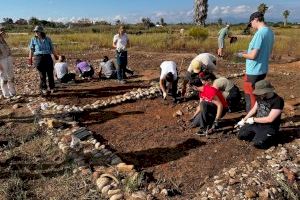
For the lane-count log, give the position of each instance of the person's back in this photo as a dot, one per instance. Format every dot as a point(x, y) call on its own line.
point(107, 68)
point(61, 69)
point(224, 85)
point(83, 66)
point(262, 40)
point(166, 67)
point(207, 59)
point(223, 32)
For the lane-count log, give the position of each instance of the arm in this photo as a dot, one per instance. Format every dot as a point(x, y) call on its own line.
point(183, 91)
point(198, 110)
point(1, 67)
point(161, 85)
point(251, 55)
point(219, 105)
point(115, 40)
point(251, 112)
point(270, 118)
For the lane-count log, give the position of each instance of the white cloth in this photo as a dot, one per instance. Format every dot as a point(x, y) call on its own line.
point(208, 61)
point(121, 42)
point(166, 67)
point(61, 69)
point(7, 77)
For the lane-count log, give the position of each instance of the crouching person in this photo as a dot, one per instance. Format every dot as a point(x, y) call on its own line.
point(84, 68)
point(211, 109)
point(107, 69)
point(168, 79)
point(230, 92)
point(268, 107)
point(62, 72)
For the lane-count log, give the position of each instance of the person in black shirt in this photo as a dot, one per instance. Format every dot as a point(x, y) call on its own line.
point(268, 107)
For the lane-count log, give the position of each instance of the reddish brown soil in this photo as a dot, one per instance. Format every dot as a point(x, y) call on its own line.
point(146, 134)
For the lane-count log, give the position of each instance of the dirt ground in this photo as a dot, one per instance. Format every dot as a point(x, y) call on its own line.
point(144, 133)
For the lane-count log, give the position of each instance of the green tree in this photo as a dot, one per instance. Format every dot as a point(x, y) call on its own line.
point(262, 8)
point(21, 21)
point(146, 21)
point(285, 14)
point(33, 21)
point(200, 11)
point(8, 21)
point(220, 21)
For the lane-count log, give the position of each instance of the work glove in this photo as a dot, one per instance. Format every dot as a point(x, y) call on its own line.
point(250, 120)
point(239, 54)
point(164, 95)
point(240, 123)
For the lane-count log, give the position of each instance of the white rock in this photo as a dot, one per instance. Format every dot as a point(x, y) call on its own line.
point(101, 182)
point(116, 197)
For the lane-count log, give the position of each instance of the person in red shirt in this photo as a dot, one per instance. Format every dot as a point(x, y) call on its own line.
point(212, 107)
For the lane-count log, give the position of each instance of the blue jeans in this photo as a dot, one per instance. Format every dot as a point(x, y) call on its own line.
point(121, 64)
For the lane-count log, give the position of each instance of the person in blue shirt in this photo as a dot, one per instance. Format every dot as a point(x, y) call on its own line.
point(40, 54)
point(257, 56)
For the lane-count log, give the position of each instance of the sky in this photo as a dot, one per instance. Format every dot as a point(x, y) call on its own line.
point(132, 11)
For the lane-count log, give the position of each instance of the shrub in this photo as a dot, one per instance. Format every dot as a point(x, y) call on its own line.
point(198, 33)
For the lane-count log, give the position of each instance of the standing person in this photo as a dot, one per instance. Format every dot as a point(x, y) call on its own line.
point(120, 42)
point(6, 67)
point(257, 56)
point(61, 70)
point(221, 39)
point(202, 62)
point(262, 128)
point(168, 79)
point(85, 69)
point(40, 51)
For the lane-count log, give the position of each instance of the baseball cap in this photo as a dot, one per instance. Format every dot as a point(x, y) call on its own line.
point(196, 66)
point(38, 29)
point(253, 16)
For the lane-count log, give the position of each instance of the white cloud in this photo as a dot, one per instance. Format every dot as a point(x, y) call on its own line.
point(235, 10)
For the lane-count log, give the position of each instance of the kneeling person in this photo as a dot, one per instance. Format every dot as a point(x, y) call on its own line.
point(268, 107)
point(168, 79)
point(84, 68)
point(61, 70)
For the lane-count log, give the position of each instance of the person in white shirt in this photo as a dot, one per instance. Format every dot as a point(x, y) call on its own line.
point(120, 42)
point(168, 79)
point(202, 62)
point(61, 70)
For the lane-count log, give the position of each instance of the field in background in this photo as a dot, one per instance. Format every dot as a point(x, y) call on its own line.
point(159, 39)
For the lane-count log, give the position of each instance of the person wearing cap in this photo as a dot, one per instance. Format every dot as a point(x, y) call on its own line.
point(267, 109)
point(40, 51)
point(107, 68)
point(6, 67)
point(202, 62)
point(168, 79)
point(221, 39)
point(230, 92)
point(120, 42)
point(212, 106)
point(257, 56)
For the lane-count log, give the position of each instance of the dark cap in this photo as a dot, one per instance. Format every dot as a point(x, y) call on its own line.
point(253, 16)
point(263, 87)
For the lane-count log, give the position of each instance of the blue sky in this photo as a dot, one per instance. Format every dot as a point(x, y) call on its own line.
point(131, 11)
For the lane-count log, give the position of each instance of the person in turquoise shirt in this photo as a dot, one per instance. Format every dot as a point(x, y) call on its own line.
point(221, 39)
point(41, 51)
point(257, 56)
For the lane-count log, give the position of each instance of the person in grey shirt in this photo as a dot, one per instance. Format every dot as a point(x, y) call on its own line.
point(107, 69)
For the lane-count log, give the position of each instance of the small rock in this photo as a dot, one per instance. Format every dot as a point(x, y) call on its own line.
point(116, 197)
point(16, 106)
point(139, 195)
point(178, 113)
point(250, 194)
point(164, 192)
point(123, 168)
point(232, 172)
point(220, 188)
point(113, 192)
point(268, 157)
point(101, 182)
point(155, 191)
point(264, 195)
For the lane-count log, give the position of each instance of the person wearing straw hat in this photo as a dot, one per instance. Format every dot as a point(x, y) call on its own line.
point(6, 67)
point(40, 51)
point(202, 62)
point(221, 39)
point(257, 56)
point(261, 128)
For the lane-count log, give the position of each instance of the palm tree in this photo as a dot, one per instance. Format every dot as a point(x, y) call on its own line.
point(200, 11)
point(262, 8)
point(285, 14)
